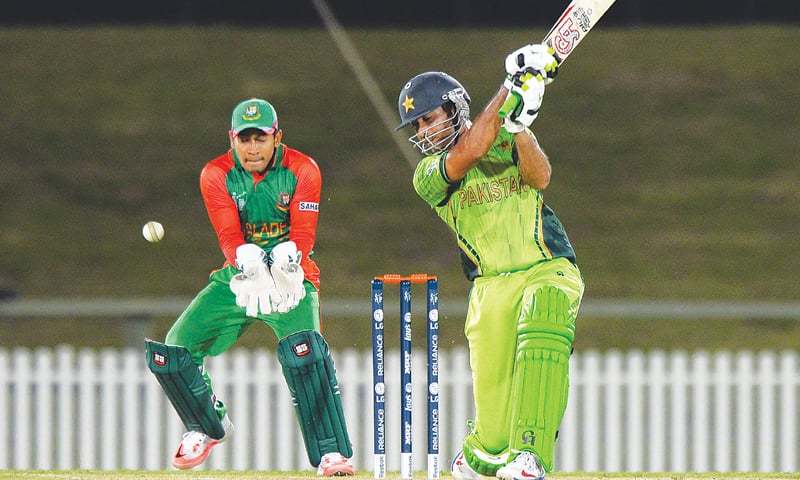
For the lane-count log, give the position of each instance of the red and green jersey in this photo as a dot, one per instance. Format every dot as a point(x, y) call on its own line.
point(264, 209)
point(501, 224)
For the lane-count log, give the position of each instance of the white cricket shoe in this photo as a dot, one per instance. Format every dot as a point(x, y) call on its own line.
point(461, 469)
point(335, 464)
point(526, 466)
point(195, 446)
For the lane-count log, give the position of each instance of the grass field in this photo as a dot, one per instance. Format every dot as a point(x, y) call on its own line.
point(675, 169)
point(80, 475)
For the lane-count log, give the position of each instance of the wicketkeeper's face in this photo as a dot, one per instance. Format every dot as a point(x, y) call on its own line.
point(255, 148)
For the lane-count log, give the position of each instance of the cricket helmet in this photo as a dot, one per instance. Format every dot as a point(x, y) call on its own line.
point(425, 93)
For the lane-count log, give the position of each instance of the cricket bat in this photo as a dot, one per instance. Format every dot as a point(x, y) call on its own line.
point(570, 28)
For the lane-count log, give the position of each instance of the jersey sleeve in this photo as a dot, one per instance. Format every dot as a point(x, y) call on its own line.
point(221, 211)
point(430, 180)
point(304, 207)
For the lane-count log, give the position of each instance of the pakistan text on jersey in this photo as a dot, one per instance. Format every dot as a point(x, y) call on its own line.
point(255, 231)
point(494, 191)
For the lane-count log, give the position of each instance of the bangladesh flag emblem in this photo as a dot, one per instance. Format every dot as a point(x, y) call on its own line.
point(251, 113)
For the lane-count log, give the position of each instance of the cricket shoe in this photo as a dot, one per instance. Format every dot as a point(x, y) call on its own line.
point(195, 446)
point(526, 466)
point(461, 469)
point(335, 464)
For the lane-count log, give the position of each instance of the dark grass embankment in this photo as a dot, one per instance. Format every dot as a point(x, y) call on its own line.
point(674, 153)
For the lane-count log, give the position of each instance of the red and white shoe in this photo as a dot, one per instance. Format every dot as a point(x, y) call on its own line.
point(461, 469)
point(335, 465)
point(195, 447)
point(526, 466)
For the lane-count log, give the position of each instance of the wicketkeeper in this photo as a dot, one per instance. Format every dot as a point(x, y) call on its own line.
point(263, 201)
point(484, 180)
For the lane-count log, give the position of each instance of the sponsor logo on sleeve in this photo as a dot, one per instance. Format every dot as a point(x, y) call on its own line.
point(309, 207)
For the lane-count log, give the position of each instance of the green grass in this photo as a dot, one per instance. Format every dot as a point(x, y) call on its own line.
point(675, 163)
point(89, 474)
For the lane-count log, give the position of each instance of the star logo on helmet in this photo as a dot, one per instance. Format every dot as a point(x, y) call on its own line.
point(408, 103)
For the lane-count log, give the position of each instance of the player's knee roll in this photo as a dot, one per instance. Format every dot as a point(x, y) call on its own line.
point(546, 321)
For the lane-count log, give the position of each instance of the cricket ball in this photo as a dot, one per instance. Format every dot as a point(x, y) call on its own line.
point(153, 231)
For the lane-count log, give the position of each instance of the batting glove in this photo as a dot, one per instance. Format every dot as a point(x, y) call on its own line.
point(536, 59)
point(530, 93)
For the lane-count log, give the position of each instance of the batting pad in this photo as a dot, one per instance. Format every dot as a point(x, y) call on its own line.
point(311, 376)
point(185, 387)
point(540, 384)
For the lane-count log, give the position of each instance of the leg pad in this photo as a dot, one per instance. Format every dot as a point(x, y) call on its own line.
point(311, 377)
point(183, 382)
point(540, 384)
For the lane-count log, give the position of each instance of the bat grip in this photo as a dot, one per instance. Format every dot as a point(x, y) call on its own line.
point(510, 104)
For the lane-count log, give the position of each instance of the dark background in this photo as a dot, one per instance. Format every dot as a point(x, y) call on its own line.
point(672, 132)
point(407, 13)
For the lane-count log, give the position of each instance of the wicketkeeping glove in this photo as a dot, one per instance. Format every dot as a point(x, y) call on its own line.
point(530, 92)
point(254, 288)
point(284, 260)
point(536, 59)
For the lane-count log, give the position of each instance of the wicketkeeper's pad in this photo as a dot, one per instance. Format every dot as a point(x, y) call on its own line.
point(185, 387)
point(311, 376)
point(540, 384)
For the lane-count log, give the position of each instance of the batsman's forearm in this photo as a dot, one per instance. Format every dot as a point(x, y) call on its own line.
point(534, 166)
point(477, 140)
point(486, 126)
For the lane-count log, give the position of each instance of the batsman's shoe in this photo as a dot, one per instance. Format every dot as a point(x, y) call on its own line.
point(335, 465)
point(195, 446)
point(526, 466)
point(461, 469)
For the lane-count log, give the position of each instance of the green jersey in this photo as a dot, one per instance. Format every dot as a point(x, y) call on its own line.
point(501, 224)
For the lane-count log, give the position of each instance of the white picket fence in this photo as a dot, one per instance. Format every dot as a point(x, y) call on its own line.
point(631, 411)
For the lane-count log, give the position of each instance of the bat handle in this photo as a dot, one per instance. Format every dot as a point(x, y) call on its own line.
point(510, 104)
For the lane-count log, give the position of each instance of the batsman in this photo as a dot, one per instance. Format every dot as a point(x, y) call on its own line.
point(262, 198)
point(485, 179)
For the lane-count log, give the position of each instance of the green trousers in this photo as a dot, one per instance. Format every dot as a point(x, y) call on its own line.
point(213, 322)
point(495, 306)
